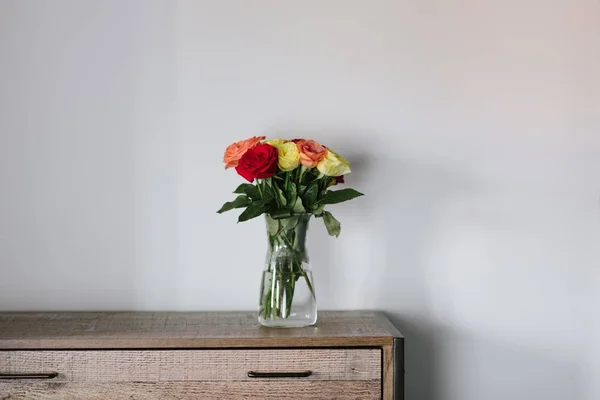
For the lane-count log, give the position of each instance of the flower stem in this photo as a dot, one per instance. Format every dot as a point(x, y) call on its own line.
point(285, 261)
point(259, 186)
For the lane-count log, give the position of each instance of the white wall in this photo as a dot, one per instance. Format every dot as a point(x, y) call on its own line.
point(473, 128)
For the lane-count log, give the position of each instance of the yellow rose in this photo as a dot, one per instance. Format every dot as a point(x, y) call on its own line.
point(333, 165)
point(289, 156)
point(276, 142)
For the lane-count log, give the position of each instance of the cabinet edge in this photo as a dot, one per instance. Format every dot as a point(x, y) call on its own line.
point(398, 368)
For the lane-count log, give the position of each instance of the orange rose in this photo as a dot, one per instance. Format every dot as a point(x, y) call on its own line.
point(311, 152)
point(236, 150)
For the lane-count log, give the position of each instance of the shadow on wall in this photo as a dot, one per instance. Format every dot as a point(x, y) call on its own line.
point(415, 196)
point(445, 364)
point(421, 357)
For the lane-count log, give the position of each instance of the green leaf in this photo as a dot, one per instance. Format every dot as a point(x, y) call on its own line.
point(272, 226)
point(268, 193)
point(339, 196)
point(291, 194)
point(318, 211)
point(282, 213)
point(310, 195)
point(289, 223)
point(298, 207)
point(309, 176)
point(242, 188)
point(249, 190)
point(333, 225)
point(279, 194)
point(253, 193)
point(240, 201)
point(252, 211)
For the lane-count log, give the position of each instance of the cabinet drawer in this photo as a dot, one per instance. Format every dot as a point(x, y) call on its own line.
point(193, 365)
point(216, 390)
point(192, 374)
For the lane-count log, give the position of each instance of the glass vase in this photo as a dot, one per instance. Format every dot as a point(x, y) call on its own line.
point(287, 292)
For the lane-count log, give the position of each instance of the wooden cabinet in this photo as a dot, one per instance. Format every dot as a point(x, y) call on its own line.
point(176, 356)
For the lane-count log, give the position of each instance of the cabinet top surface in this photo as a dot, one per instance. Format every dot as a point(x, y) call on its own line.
point(114, 330)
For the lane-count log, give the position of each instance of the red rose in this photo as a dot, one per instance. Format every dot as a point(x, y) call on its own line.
point(258, 162)
point(339, 179)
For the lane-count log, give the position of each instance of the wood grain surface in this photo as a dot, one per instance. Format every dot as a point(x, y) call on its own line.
point(192, 365)
point(137, 330)
point(200, 355)
point(388, 372)
point(258, 390)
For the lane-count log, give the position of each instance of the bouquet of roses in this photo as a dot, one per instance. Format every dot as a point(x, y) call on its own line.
point(287, 178)
point(290, 181)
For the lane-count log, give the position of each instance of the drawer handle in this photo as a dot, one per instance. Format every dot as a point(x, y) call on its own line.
point(302, 374)
point(50, 375)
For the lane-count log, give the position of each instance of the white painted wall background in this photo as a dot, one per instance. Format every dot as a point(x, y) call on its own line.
point(473, 128)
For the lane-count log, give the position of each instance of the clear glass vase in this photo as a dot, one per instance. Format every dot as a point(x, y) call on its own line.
point(287, 292)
